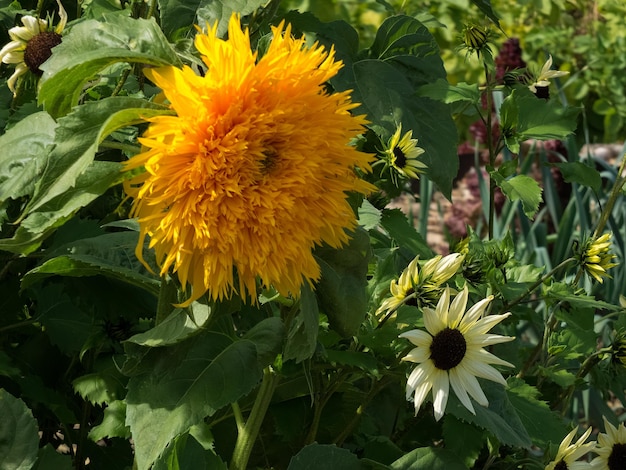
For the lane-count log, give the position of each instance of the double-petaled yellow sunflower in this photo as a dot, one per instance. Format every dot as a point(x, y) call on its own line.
point(31, 45)
point(253, 171)
point(568, 455)
point(450, 353)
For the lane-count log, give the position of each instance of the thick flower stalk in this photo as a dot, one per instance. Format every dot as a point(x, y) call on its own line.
point(31, 45)
point(422, 282)
point(611, 448)
point(568, 454)
point(253, 171)
point(450, 353)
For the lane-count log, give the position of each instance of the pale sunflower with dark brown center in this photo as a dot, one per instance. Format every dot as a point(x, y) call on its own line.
point(450, 353)
point(611, 448)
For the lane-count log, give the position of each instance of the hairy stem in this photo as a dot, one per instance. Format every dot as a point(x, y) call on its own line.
point(247, 436)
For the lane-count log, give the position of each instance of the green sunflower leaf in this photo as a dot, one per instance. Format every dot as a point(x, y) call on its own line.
point(111, 255)
point(39, 224)
point(442, 91)
point(178, 16)
point(91, 46)
point(25, 148)
point(578, 172)
point(430, 458)
point(341, 291)
point(302, 334)
point(464, 439)
point(329, 457)
point(500, 418)
point(542, 424)
point(187, 453)
point(113, 423)
point(522, 188)
point(178, 386)
point(19, 439)
point(78, 136)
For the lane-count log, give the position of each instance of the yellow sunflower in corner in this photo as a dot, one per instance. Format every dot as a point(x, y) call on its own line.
point(253, 171)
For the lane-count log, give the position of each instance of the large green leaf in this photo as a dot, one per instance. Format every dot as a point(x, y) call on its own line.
point(182, 15)
point(67, 325)
point(429, 457)
point(341, 291)
point(41, 223)
point(183, 384)
point(113, 423)
point(111, 255)
point(522, 188)
point(25, 148)
point(302, 334)
point(398, 227)
point(543, 425)
point(329, 457)
point(523, 116)
point(19, 439)
point(93, 45)
point(50, 459)
point(500, 418)
point(186, 453)
point(78, 136)
point(464, 439)
point(581, 173)
point(178, 326)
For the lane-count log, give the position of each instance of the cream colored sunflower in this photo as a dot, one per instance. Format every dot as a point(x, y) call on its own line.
point(611, 448)
point(568, 454)
point(544, 76)
point(450, 353)
point(31, 45)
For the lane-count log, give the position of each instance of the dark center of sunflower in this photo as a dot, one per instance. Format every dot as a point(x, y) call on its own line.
point(448, 349)
point(617, 459)
point(39, 49)
point(542, 92)
point(400, 157)
point(561, 465)
point(269, 161)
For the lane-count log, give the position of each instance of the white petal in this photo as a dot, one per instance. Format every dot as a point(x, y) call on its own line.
point(469, 383)
point(486, 323)
point(432, 321)
point(11, 47)
point(420, 395)
point(475, 312)
point(418, 338)
point(62, 18)
point(457, 385)
point(417, 376)
point(19, 70)
point(489, 339)
point(443, 306)
point(457, 308)
point(441, 390)
point(485, 371)
point(417, 355)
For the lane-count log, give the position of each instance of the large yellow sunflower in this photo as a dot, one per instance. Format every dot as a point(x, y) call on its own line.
point(252, 172)
point(450, 353)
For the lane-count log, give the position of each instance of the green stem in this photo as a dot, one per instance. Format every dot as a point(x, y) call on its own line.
point(120, 83)
point(247, 436)
point(585, 368)
point(19, 324)
point(168, 295)
point(536, 284)
point(492, 154)
point(615, 192)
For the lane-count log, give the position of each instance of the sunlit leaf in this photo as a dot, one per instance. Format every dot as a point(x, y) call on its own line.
point(442, 91)
point(578, 172)
point(91, 46)
point(521, 188)
point(113, 423)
